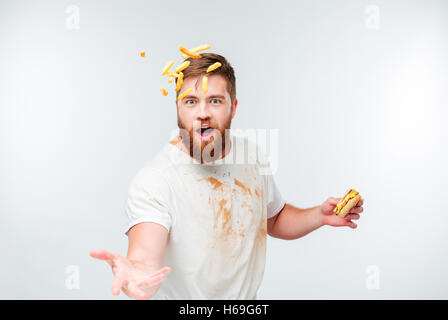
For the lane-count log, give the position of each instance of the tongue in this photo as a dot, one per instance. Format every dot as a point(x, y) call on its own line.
point(207, 131)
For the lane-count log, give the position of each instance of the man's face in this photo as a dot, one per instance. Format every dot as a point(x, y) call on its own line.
point(196, 110)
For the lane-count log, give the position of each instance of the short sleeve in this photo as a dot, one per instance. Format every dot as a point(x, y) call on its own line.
point(275, 202)
point(148, 200)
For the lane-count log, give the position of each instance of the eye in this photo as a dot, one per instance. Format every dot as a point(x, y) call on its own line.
point(188, 102)
point(216, 101)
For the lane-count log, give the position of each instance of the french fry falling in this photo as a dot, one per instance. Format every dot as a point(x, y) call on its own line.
point(202, 47)
point(214, 66)
point(189, 53)
point(183, 66)
point(164, 92)
point(170, 79)
point(184, 94)
point(204, 84)
point(142, 54)
point(180, 81)
point(167, 67)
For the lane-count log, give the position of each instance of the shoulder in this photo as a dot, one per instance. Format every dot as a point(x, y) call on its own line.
point(152, 177)
point(148, 175)
point(254, 153)
point(250, 148)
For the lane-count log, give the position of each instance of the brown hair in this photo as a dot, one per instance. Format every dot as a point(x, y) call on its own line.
point(198, 68)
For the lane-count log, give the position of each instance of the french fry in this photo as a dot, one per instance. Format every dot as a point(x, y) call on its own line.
point(173, 74)
point(180, 81)
point(142, 54)
point(183, 66)
point(204, 84)
point(164, 92)
point(189, 53)
point(167, 67)
point(170, 79)
point(202, 47)
point(184, 94)
point(214, 66)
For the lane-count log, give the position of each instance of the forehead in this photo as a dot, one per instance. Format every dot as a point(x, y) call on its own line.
point(217, 84)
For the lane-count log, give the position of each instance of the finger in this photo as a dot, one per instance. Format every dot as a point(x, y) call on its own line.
point(152, 281)
point(356, 210)
point(360, 202)
point(163, 270)
point(104, 255)
point(117, 284)
point(136, 292)
point(354, 216)
point(148, 284)
point(101, 254)
point(352, 225)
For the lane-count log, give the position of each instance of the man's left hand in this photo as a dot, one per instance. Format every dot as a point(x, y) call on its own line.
point(330, 218)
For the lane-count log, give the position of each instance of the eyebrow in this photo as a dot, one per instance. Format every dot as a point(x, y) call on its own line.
point(218, 96)
point(213, 96)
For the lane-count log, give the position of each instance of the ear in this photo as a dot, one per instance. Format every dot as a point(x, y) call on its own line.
point(235, 103)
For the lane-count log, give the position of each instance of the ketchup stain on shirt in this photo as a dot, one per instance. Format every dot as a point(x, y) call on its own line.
point(243, 186)
point(229, 224)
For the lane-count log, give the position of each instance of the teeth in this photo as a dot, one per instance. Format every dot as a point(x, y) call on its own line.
point(203, 129)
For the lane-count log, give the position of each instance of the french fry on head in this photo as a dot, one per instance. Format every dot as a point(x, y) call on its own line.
point(164, 92)
point(189, 53)
point(183, 66)
point(204, 84)
point(214, 66)
point(167, 67)
point(180, 81)
point(181, 96)
point(170, 79)
point(202, 47)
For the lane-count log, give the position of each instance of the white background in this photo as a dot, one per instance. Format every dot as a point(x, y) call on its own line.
point(357, 105)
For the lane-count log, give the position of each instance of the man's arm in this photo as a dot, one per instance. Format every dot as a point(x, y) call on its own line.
point(146, 249)
point(292, 222)
point(139, 275)
point(147, 243)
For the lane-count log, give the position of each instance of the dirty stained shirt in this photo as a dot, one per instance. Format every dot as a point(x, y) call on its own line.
point(216, 216)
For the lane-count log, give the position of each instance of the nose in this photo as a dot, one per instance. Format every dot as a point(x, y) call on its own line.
point(203, 112)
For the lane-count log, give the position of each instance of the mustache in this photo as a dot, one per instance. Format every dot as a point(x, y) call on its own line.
point(200, 124)
point(197, 124)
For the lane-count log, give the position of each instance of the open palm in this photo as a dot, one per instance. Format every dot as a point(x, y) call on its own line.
point(135, 281)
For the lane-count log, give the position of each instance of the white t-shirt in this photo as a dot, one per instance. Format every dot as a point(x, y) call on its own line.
point(216, 216)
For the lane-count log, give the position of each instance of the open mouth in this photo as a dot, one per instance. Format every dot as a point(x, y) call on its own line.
point(205, 131)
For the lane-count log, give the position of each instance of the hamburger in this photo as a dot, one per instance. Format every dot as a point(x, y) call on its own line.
point(348, 201)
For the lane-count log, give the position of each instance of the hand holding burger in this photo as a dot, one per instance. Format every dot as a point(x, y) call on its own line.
point(339, 212)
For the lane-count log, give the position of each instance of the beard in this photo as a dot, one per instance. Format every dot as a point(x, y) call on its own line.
point(205, 151)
